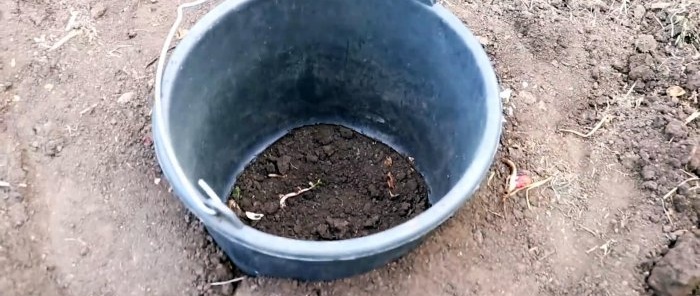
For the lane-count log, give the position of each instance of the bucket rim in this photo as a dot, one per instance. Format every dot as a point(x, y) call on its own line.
point(348, 249)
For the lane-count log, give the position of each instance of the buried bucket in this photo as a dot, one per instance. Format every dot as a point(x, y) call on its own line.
point(405, 72)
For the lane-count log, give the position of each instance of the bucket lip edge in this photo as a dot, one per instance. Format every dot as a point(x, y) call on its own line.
point(347, 249)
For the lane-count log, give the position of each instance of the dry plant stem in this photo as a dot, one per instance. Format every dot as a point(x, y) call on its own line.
point(71, 21)
point(283, 198)
point(391, 182)
point(496, 214)
point(595, 128)
point(527, 190)
point(65, 39)
point(154, 60)
point(689, 174)
point(512, 178)
point(510, 186)
point(588, 230)
point(671, 192)
point(88, 109)
point(692, 117)
point(668, 214)
point(531, 186)
point(630, 90)
point(527, 199)
point(231, 281)
point(667, 195)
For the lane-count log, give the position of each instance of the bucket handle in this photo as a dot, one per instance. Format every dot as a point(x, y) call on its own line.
point(213, 205)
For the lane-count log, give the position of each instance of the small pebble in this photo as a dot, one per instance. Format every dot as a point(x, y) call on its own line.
point(311, 158)
point(479, 237)
point(371, 222)
point(126, 97)
point(328, 149)
point(84, 251)
point(98, 10)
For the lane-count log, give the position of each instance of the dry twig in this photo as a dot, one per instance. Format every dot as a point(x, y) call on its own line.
point(668, 214)
point(231, 281)
point(391, 181)
point(511, 189)
point(284, 197)
point(154, 60)
point(587, 135)
point(595, 234)
point(65, 39)
point(512, 178)
point(511, 182)
point(531, 186)
point(692, 117)
point(493, 174)
point(672, 191)
point(88, 109)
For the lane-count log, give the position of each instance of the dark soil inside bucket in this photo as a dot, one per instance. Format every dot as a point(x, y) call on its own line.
point(348, 185)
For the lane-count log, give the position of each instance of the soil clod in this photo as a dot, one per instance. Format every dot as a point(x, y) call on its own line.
point(678, 272)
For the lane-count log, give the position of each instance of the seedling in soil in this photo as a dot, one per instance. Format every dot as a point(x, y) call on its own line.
point(233, 205)
point(232, 201)
point(236, 193)
point(300, 191)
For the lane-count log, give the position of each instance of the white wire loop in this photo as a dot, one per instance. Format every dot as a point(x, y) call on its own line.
point(214, 204)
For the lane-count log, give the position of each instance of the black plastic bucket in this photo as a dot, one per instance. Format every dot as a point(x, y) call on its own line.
point(406, 72)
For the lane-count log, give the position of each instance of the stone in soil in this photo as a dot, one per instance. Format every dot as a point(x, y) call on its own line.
point(678, 272)
point(646, 43)
point(676, 129)
point(354, 199)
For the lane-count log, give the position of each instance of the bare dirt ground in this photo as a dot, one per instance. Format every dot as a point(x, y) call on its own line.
point(83, 210)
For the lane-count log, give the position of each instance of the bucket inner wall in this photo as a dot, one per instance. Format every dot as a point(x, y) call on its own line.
point(388, 69)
